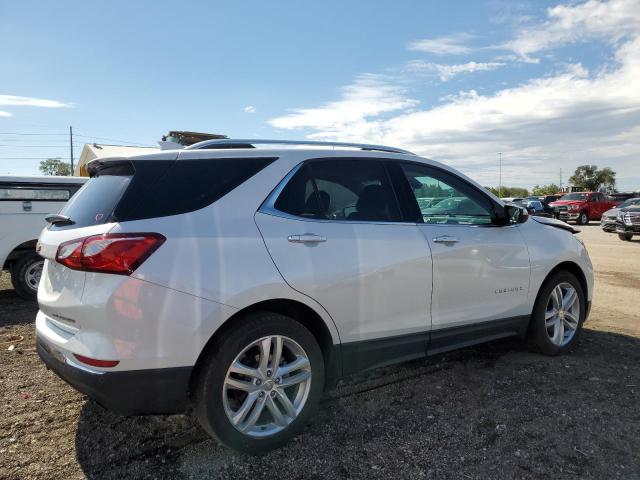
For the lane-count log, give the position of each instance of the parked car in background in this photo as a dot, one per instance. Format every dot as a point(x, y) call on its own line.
point(582, 206)
point(239, 282)
point(534, 207)
point(628, 222)
point(24, 204)
point(512, 200)
point(608, 222)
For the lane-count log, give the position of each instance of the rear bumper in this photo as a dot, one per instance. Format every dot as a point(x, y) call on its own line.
point(132, 392)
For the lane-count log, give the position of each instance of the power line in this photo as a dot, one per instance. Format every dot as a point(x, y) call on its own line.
point(114, 140)
point(38, 146)
point(21, 133)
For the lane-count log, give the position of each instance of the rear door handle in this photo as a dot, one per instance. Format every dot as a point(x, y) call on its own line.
point(446, 239)
point(306, 238)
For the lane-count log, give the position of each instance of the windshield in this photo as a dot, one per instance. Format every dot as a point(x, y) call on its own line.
point(576, 196)
point(630, 202)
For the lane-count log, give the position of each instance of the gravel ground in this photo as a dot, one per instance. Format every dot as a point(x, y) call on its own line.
point(493, 411)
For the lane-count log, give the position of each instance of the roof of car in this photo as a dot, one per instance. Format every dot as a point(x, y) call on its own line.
point(40, 179)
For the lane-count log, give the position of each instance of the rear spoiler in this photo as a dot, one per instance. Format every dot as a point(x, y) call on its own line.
point(552, 222)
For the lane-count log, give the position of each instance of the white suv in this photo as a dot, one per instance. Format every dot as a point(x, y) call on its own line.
point(239, 282)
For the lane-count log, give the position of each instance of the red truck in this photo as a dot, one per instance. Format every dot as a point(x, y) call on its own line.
point(582, 206)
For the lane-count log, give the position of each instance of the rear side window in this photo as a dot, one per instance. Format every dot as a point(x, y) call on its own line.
point(185, 186)
point(341, 190)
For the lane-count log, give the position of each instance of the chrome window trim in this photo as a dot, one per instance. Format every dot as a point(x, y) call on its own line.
point(268, 208)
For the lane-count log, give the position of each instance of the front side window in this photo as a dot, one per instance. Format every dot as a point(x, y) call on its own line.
point(341, 190)
point(444, 201)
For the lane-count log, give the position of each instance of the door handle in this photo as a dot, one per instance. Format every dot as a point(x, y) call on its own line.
point(306, 238)
point(446, 239)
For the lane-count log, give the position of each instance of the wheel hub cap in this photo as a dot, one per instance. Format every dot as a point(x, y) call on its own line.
point(267, 386)
point(562, 314)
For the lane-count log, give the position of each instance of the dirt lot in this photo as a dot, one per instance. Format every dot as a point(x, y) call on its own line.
point(494, 411)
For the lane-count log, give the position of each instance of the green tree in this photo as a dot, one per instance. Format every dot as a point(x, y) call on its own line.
point(55, 166)
point(591, 178)
point(510, 192)
point(540, 190)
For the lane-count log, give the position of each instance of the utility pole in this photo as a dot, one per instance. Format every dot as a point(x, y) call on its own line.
point(561, 179)
point(500, 174)
point(71, 146)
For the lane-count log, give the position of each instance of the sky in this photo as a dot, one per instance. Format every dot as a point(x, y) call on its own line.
point(550, 85)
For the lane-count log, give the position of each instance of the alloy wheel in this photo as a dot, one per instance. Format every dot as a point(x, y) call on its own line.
point(562, 314)
point(266, 386)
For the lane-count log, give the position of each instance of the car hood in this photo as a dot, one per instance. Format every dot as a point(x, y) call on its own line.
point(552, 222)
point(612, 212)
point(566, 202)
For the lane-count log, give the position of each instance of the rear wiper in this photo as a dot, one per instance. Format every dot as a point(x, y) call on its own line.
point(59, 219)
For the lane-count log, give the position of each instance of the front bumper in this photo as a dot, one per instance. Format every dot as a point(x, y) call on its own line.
point(624, 228)
point(568, 215)
point(608, 225)
point(131, 392)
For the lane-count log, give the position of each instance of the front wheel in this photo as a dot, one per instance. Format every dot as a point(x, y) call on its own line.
point(558, 315)
point(625, 236)
point(583, 218)
point(260, 383)
point(25, 275)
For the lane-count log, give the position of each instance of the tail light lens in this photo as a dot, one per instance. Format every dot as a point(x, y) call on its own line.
point(119, 253)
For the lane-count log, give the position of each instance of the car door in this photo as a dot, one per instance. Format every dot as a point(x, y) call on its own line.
point(480, 269)
point(336, 233)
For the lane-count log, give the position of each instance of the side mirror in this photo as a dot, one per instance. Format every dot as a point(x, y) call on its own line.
point(515, 214)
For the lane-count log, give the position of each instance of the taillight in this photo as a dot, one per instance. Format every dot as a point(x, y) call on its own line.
point(119, 253)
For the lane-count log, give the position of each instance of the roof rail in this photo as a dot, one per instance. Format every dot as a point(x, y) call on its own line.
point(250, 143)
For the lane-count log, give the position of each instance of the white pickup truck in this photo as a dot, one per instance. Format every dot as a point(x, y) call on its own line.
point(24, 204)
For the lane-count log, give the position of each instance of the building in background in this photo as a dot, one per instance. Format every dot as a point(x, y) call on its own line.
point(91, 151)
point(175, 139)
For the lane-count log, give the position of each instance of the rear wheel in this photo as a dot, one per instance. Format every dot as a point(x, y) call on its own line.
point(25, 275)
point(558, 315)
point(625, 236)
point(260, 383)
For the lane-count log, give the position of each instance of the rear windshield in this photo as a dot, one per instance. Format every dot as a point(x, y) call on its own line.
point(156, 188)
point(95, 202)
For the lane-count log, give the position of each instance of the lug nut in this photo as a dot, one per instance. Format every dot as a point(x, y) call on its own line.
point(278, 380)
point(273, 393)
point(258, 381)
point(261, 394)
point(268, 373)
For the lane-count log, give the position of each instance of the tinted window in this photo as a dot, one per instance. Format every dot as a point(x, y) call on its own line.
point(443, 199)
point(156, 188)
point(341, 190)
point(43, 194)
point(184, 185)
point(94, 203)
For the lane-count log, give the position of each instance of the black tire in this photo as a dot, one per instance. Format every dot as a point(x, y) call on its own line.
point(625, 236)
point(583, 218)
point(212, 371)
point(22, 275)
point(537, 336)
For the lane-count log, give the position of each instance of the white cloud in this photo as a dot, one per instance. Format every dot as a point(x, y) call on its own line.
point(454, 44)
point(14, 100)
point(249, 109)
point(446, 72)
point(612, 20)
point(559, 120)
point(369, 96)
point(4, 114)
